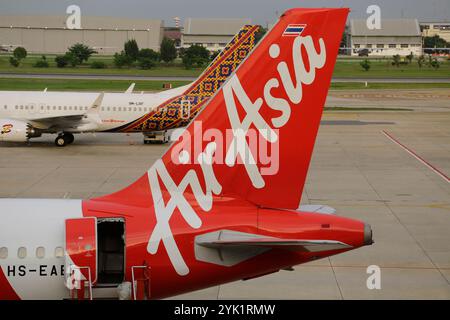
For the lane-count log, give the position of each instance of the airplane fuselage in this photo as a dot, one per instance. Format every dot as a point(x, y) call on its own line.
point(116, 110)
point(37, 249)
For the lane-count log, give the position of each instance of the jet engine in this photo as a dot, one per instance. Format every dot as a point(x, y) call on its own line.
point(17, 131)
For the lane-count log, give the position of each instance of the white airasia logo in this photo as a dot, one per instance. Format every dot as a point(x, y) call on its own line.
point(238, 147)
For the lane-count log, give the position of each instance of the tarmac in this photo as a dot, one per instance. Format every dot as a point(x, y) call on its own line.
point(387, 168)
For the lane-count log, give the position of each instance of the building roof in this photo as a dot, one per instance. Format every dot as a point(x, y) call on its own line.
point(389, 27)
point(196, 26)
point(59, 22)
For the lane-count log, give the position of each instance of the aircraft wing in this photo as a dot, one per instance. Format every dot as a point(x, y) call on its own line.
point(73, 121)
point(70, 121)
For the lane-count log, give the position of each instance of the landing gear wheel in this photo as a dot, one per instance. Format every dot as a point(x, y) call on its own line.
point(61, 141)
point(69, 138)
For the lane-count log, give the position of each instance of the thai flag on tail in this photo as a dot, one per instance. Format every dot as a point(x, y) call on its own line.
point(293, 30)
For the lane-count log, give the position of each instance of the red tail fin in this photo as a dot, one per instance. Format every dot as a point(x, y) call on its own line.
point(273, 103)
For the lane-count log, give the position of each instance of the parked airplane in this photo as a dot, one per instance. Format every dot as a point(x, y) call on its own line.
point(29, 114)
point(202, 215)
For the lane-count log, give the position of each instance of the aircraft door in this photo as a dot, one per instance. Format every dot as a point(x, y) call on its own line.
point(81, 248)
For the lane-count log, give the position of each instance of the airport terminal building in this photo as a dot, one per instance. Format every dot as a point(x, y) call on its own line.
point(214, 34)
point(396, 36)
point(430, 29)
point(49, 34)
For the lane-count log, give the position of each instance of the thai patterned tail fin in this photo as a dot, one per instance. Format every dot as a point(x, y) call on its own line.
point(180, 110)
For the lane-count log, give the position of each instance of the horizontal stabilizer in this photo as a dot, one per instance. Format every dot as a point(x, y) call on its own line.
point(228, 239)
point(317, 208)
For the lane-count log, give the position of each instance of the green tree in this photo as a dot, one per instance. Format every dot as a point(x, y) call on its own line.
point(195, 55)
point(148, 58)
point(122, 60)
point(146, 63)
point(434, 42)
point(61, 61)
point(365, 64)
point(396, 60)
point(168, 50)
point(14, 61)
point(72, 59)
point(149, 53)
point(131, 49)
point(409, 57)
point(420, 61)
point(435, 63)
point(20, 53)
point(81, 52)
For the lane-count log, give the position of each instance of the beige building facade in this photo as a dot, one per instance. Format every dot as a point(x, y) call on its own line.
point(430, 29)
point(49, 34)
point(214, 34)
point(396, 36)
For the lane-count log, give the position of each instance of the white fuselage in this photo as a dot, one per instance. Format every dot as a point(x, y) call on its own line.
point(117, 109)
point(33, 244)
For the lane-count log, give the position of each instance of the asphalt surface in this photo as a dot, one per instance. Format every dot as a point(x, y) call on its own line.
point(355, 168)
point(132, 78)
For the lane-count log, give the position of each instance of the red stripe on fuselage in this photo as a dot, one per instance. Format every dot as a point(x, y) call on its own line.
point(6, 290)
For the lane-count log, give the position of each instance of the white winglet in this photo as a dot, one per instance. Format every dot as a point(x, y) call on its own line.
point(95, 108)
point(130, 88)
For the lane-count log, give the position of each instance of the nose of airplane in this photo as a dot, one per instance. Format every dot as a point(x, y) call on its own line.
point(367, 234)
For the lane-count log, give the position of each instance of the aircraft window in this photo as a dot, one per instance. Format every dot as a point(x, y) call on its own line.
point(21, 107)
point(65, 107)
point(3, 253)
point(5, 106)
point(22, 253)
point(120, 109)
point(70, 108)
point(75, 108)
point(59, 252)
point(109, 108)
point(114, 108)
point(54, 107)
point(15, 107)
point(40, 252)
point(26, 107)
point(48, 107)
point(135, 109)
point(59, 107)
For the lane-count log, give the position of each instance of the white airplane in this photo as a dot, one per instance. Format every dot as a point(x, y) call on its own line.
point(29, 114)
point(193, 220)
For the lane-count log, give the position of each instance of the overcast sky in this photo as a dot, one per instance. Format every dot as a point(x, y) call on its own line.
point(260, 11)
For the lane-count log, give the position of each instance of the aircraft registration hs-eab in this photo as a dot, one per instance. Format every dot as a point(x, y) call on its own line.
point(28, 114)
point(201, 216)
